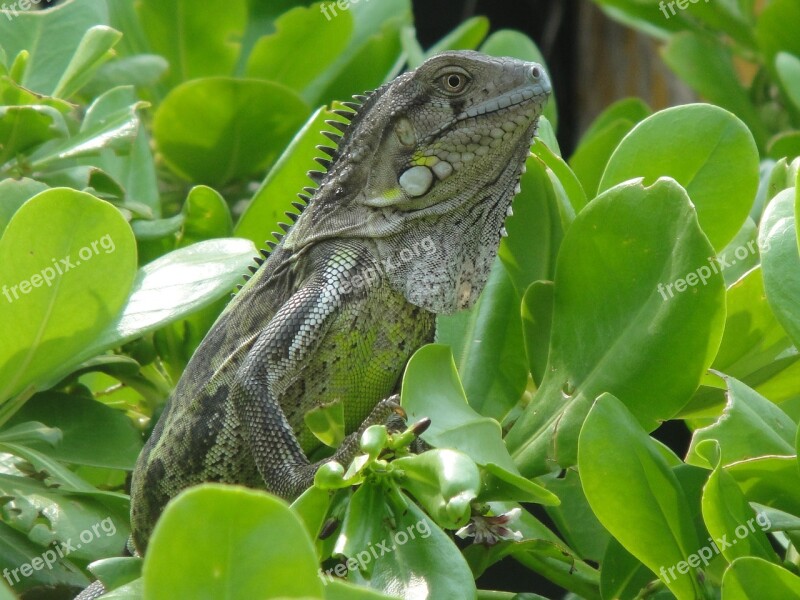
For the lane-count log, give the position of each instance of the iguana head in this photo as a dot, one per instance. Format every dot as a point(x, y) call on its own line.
point(435, 155)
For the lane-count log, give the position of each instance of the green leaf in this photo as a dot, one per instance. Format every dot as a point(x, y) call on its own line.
point(728, 516)
point(769, 480)
point(536, 228)
point(301, 38)
point(627, 109)
point(52, 37)
point(93, 51)
point(246, 123)
point(174, 286)
point(707, 150)
point(93, 434)
point(788, 68)
point(340, 590)
point(780, 259)
point(206, 216)
point(466, 36)
point(22, 128)
point(623, 575)
point(635, 494)
point(112, 122)
point(70, 260)
point(398, 554)
point(374, 51)
point(705, 62)
point(746, 578)
point(776, 31)
point(574, 518)
point(431, 389)
point(197, 43)
point(220, 541)
point(564, 180)
point(443, 481)
point(47, 515)
point(117, 571)
point(537, 322)
point(750, 426)
point(14, 193)
point(590, 158)
point(642, 15)
point(16, 549)
point(285, 179)
point(618, 316)
point(488, 342)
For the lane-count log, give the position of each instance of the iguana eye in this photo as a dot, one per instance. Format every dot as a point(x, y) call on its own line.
point(454, 83)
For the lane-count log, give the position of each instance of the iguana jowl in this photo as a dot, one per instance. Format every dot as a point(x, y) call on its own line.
point(432, 159)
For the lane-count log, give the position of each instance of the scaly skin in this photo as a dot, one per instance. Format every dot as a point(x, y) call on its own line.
point(404, 225)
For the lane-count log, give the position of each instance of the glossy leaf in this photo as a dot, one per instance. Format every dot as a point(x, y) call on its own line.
point(781, 261)
point(616, 319)
point(537, 322)
point(706, 64)
point(397, 558)
point(431, 388)
point(52, 37)
point(301, 37)
point(746, 578)
point(536, 228)
point(750, 426)
point(635, 494)
point(111, 122)
point(175, 285)
point(788, 67)
point(728, 516)
point(704, 148)
point(246, 124)
point(444, 481)
point(229, 551)
point(197, 43)
point(69, 261)
point(92, 433)
point(285, 180)
point(93, 51)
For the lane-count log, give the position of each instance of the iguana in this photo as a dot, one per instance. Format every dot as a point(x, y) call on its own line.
point(404, 225)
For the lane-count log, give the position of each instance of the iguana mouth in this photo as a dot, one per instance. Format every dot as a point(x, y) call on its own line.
point(537, 93)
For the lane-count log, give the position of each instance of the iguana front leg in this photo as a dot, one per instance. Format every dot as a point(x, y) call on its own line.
point(295, 337)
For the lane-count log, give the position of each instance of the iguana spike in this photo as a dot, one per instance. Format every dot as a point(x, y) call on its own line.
point(337, 124)
point(309, 190)
point(316, 176)
point(284, 226)
point(271, 245)
point(259, 260)
point(277, 235)
point(265, 252)
point(298, 205)
point(239, 287)
point(304, 199)
point(253, 268)
point(361, 97)
point(292, 217)
point(334, 137)
point(343, 113)
point(247, 277)
point(354, 106)
point(324, 162)
point(327, 150)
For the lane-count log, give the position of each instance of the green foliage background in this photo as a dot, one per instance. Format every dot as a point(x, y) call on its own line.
point(148, 148)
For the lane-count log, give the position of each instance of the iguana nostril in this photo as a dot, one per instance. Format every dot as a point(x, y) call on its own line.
point(536, 73)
